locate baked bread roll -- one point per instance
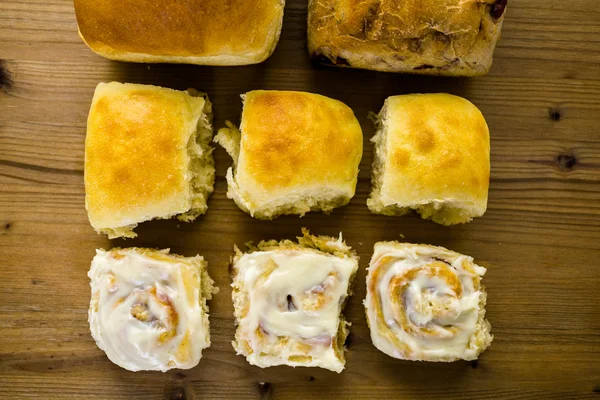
(147, 155)
(426, 303)
(148, 309)
(432, 155)
(288, 299)
(295, 152)
(205, 32)
(437, 37)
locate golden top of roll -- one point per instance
(288, 299)
(426, 303)
(293, 139)
(445, 37)
(146, 151)
(292, 146)
(432, 155)
(438, 145)
(148, 308)
(211, 32)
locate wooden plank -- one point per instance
(540, 238)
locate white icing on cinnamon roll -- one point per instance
(426, 303)
(148, 308)
(288, 304)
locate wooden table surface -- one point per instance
(540, 237)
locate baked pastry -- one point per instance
(147, 155)
(148, 309)
(288, 299)
(295, 152)
(432, 155)
(426, 303)
(437, 37)
(205, 32)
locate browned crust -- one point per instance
(145, 156)
(238, 31)
(434, 37)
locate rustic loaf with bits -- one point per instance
(437, 37)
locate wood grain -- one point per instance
(540, 238)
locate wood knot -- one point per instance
(474, 364)
(265, 390)
(6, 81)
(176, 390)
(7, 226)
(566, 162)
(555, 114)
(596, 389)
(311, 378)
(498, 8)
(176, 393)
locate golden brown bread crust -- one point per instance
(212, 32)
(432, 155)
(278, 125)
(438, 37)
(299, 152)
(139, 153)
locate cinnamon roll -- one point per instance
(288, 299)
(148, 309)
(426, 303)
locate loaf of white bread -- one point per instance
(206, 32)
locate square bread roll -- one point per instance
(147, 155)
(436, 37)
(204, 32)
(432, 155)
(148, 309)
(288, 298)
(426, 303)
(295, 152)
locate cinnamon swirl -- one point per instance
(426, 303)
(288, 299)
(148, 309)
